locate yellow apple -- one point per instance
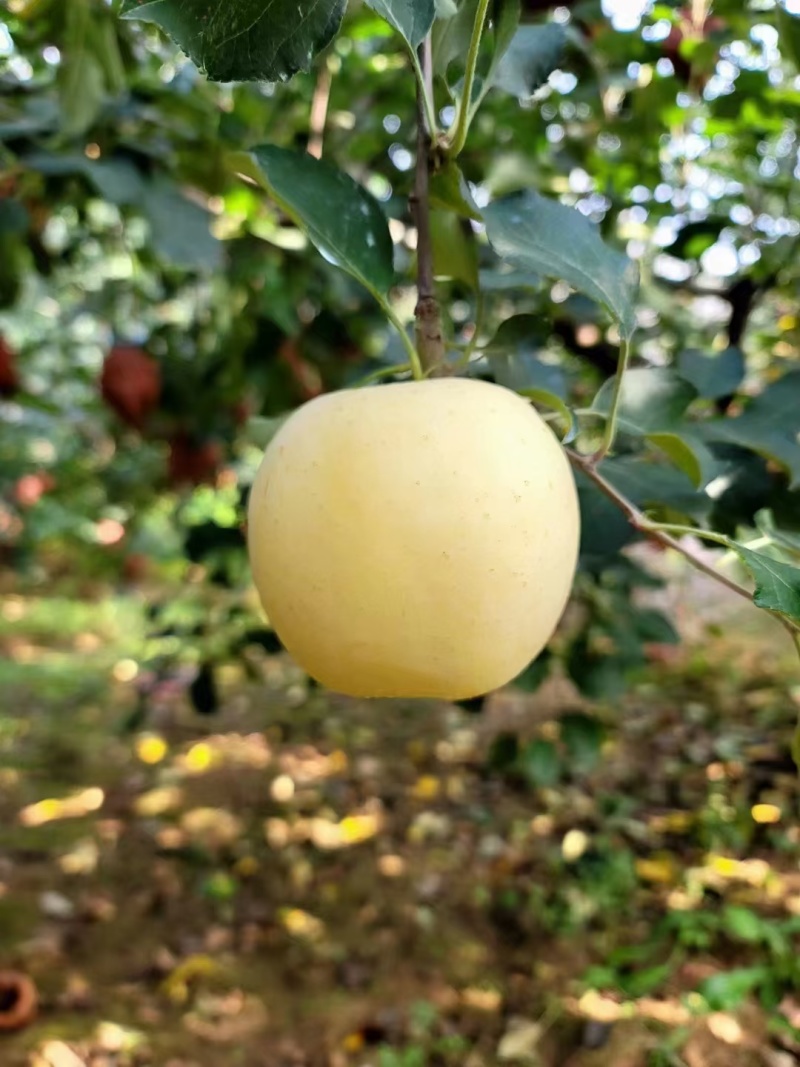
(417, 539)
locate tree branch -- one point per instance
(430, 338)
(319, 111)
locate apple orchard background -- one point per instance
(206, 859)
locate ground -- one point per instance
(305, 880)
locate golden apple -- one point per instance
(417, 539)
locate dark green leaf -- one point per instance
(455, 253)
(449, 190)
(652, 485)
(14, 218)
(653, 626)
(583, 737)
(768, 425)
(604, 529)
(495, 281)
(642, 982)
(653, 403)
(519, 333)
(179, 228)
(689, 454)
(713, 375)
(203, 691)
(727, 990)
(116, 180)
(532, 56)
(82, 90)
(765, 524)
(534, 233)
(534, 674)
(503, 751)
(652, 400)
(777, 584)
(451, 38)
(514, 364)
(599, 676)
(341, 219)
(540, 764)
(411, 18)
(245, 40)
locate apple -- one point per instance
(130, 383)
(417, 539)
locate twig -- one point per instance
(319, 111)
(430, 338)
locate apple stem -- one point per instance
(428, 315)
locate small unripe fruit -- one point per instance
(414, 540)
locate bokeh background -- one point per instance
(206, 859)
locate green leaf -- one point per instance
(653, 400)
(652, 485)
(260, 430)
(534, 674)
(342, 220)
(455, 253)
(583, 737)
(532, 56)
(766, 525)
(179, 229)
(81, 95)
(727, 990)
(768, 425)
(411, 18)
(742, 923)
(789, 35)
(651, 625)
(503, 751)
(604, 529)
(116, 180)
(714, 375)
(653, 403)
(449, 190)
(512, 354)
(534, 233)
(451, 38)
(777, 584)
(544, 398)
(645, 981)
(540, 764)
(495, 281)
(689, 454)
(244, 40)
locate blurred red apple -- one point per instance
(131, 384)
